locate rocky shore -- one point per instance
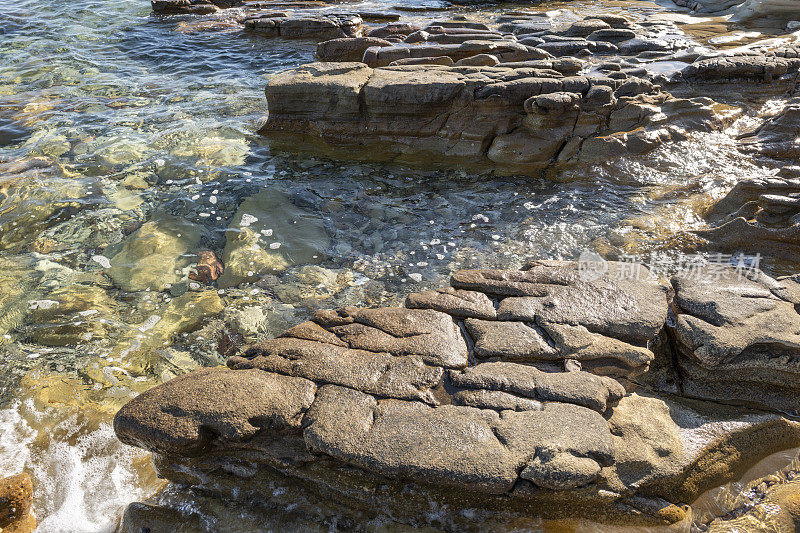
(559, 391)
(521, 95)
(311, 259)
(522, 390)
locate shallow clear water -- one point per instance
(148, 120)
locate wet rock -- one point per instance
(318, 27)
(767, 67)
(208, 268)
(612, 35)
(16, 500)
(395, 29)
(777, 511)
(155, 255)
(474, 117)
(636, 46)
(759, 215)
(586, 27)
(737, 335)
(615, 21)
(777, 136)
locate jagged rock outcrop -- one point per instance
(502, 391)
(778, 136)
(759, 215)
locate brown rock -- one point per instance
(208, 268)
(213, 407)
(16, 499)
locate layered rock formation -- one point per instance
(773, 66)
(737, 336)
(759, 215)
(518, 119)
(504, 390)
(311, 26)
(459, 93)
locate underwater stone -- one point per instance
(155, 255)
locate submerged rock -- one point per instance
(268, 234)
(155, 256)
(72, 315)
(372, 403)
(777, 511)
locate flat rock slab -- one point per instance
(738, 335)
(456, 446)
(304, 26)
(625, 302)
(452, 402)
(580, 388)
(510, 117)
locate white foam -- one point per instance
(82, 478)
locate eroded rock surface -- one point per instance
(738, 336)
(512, 118)
(759, 215)
(463, 397)
(516, 96)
